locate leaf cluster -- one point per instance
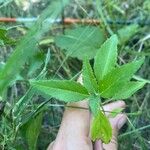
(104, 80)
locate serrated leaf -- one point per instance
(94, 104)
(89, 80)
(106, 58)
(68, 91)
(31, 130)
(81, 41)
(118, 76)
(101, 128)
(128, 90)
(123, 90)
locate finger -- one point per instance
(50, 147)
(112, 106)
(116, 124)
(118, 121)
(98, 145)
(76, 119)
(74, 130)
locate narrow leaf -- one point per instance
(118, 76)
(67, 91)
(106, 58)
(101, 128)
(31, 131)
(89, 80)
(128, 90)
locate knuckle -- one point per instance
(122, 103)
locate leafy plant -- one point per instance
(105, 81)
(24, 51)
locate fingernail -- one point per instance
(121, 122)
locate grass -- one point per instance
(136, 134)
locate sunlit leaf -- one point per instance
(118, 76)
(101, 128)
(127, 90)
(67, 91)
(106, 58)
(89, 79)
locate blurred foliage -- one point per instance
(81, 42)
(31, 131)
(4, 39)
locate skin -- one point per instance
(74, 130)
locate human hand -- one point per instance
(74, 130)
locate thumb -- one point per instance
(116, 123)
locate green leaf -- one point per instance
(118, 76)
(89, 80)
(31, 130)
(101, 128)
(94, 103)
(4, 39)
(106, 58)
(68, 91)
(35, 63)
(127, 90)
(81, 41)
(127, 32)
(2, 64)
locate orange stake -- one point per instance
(81, 21)
(66, 20)
(7, 19)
